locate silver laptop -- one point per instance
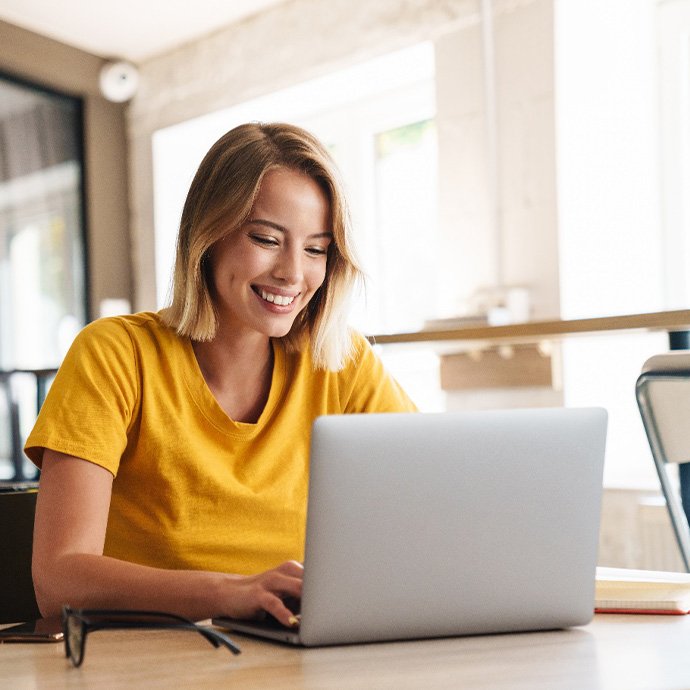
(434, 525)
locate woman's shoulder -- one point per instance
(358, 350)
(129, 327)
(132, 337)
(358, 340)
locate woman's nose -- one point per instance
(289, 266)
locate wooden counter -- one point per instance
(543, 330)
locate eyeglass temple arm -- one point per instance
(217, 638)
(214, 637)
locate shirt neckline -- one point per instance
(210, 408)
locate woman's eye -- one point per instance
(265, 240)
(317, 251)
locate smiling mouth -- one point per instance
(279, 300)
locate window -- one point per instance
(42, 258)
(42, 254)
(406, 229)
(611, 239)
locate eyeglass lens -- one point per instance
(75, 639)
(76, 626)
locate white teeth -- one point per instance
(280, 300)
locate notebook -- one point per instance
(434, 525)
(620, 590)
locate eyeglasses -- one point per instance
(77, 623)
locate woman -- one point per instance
(174, 445)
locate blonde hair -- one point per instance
(220, 200)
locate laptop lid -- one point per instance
(429, 525)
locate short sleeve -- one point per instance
(92, 401)
(368, 386)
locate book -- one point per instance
(620, 590)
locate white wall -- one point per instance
(673, 26)
(514, 244)
(608, 157)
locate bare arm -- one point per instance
(69, 566)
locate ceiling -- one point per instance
(128, 29)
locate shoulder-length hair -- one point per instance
(220, 201)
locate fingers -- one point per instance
(292, 568)
(249, 596)
(276, 607)
(283, 582)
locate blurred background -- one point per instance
(506, 161)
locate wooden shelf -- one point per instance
(532, 331)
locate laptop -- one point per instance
(447, 524)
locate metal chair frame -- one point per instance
(679, 512)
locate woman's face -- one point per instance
(266, 272)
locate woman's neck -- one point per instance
(238, 371)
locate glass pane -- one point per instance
(406, 215)
(42, 257)
(42, 299)
(43, 270)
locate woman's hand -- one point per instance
(253, 595)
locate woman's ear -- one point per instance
(206, 266)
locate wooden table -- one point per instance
(614, 651)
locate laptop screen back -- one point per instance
(423, 525)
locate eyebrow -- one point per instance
(283, 229)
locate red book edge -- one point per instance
(664, 612)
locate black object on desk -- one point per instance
(17, 598)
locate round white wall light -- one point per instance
(119, 81)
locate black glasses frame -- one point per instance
(77, 623)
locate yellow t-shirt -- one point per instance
(193, 488)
